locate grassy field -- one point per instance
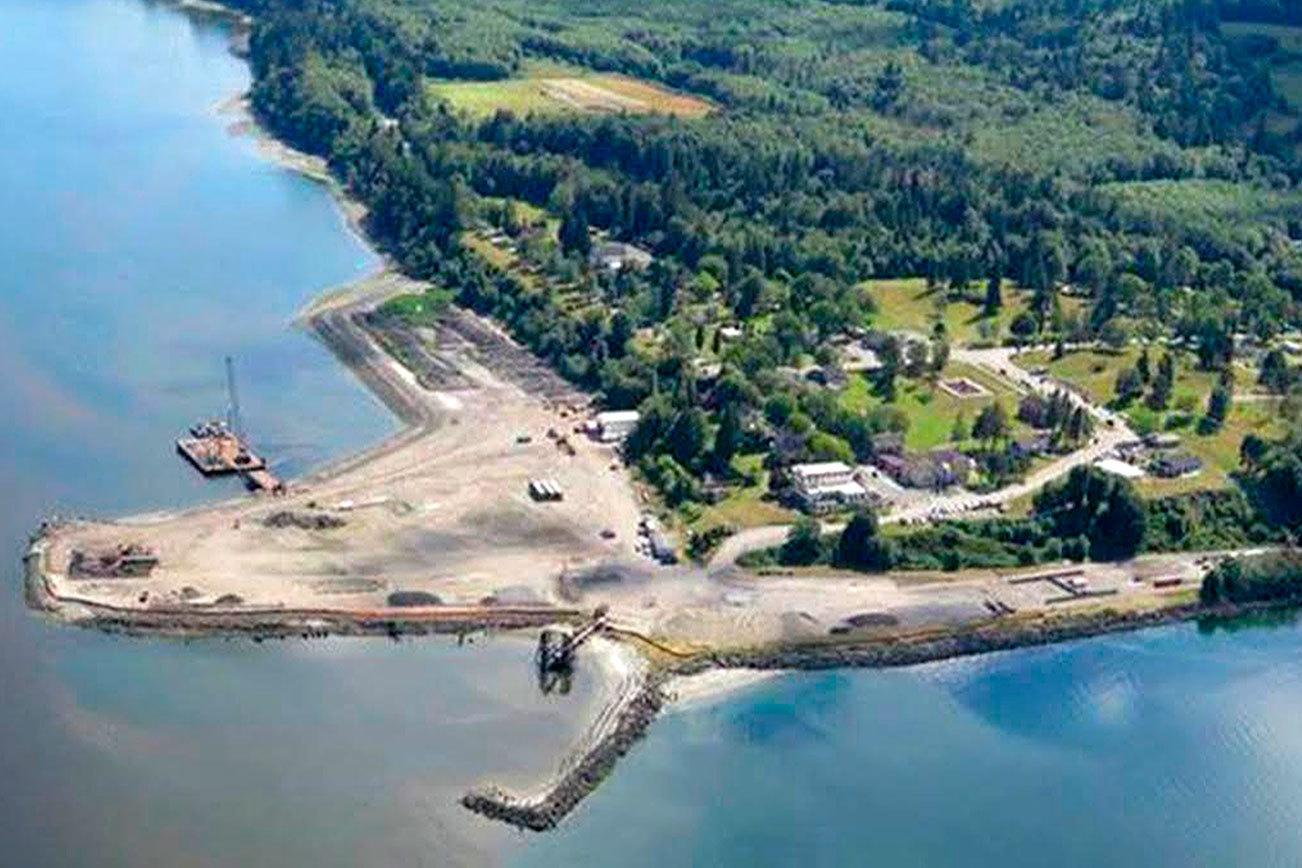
(1095, 372)
(907, 305)
(496, 256)
(419, 309)
(745, 507)
(1219, 451)
(931, 411)
(528, 212)
(548, 94)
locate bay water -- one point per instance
(142, 240)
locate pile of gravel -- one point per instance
(413, 598)
(303, 520)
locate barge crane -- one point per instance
(218, 447)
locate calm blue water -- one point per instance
(1162, 748)
(141, 242)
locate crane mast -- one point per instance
(232, 400)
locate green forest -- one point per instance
(1141, 154)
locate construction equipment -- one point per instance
(557, 646)
(129, 560)
(232, 400)
(217, 447)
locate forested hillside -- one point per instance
(1137, 153)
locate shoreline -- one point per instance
(245, 124)
(728, 672)
(712, 686)
(696, 678)
(274, 623)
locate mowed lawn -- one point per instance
(745, 507)
(546, 94)
(932, 411)
(905, 304)
(1095, 371)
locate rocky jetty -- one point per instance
(545, 812)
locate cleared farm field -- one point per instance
(598, 94)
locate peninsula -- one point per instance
(731, 398)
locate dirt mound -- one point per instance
(303, 520)
(872, 619)
(413, 598)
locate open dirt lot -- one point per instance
(444, 509)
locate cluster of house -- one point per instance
(935, 470)
(829, 485)
(1044, 414)
(1158, 453)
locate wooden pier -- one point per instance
(556, 648)
(262, 481)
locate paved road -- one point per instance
(1110, 430)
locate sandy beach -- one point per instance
(713, 685)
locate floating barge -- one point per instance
(214, 449)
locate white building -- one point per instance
(826, 485)
(730, 333)
(614, 425)
(613, 256)
(1119, 468)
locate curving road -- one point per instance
(1111, 429)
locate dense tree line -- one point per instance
(1273, 469)
(1090, 515)
(1166, 59)
(776, 206)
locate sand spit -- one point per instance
(440, 511)
(273, 622)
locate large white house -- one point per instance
(614, 425)
(826, 485)
(613, 256)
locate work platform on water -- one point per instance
(215, 450)
(218, 448)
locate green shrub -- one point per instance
(1261, 578)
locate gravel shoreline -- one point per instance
(261, 624)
